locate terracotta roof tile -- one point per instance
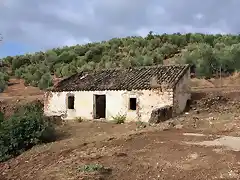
(137, 78)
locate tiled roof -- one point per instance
(137, 78)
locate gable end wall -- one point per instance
(182, 93)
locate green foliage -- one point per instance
(1, 117)
(26, 128)
(79, 119)
(207, 52)
(91, 168)
(119, 119)
(3, 80)
(35, 107)
(45, 81)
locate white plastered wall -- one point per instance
(117, 103)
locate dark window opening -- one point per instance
(133, 104)
(71, 102)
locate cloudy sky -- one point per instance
(33, 25)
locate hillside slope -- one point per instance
(207, 52)
(133, 151)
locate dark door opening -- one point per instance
(100, 106)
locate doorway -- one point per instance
(99, 106)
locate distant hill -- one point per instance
(206, 52)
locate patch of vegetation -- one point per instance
(208, 53)
(26, 128)
(3, 80)
(141, 124)
(95, 168)
(1, 117)
(119, 119)
(79, 119)
(34, 107)
(91, 168)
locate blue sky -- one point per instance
(14, 48)
(34, 25)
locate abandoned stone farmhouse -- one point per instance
(133, 92)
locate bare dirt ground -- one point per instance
(130, 153)
(203, 143)
(16, 87)
(17, 93)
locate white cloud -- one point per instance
(73, 41)
(45, 24)
(142, 31)
(199, 16)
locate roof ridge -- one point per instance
(134, 67)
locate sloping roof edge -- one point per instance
(177, 77)
(181, 75)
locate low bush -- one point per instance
(119, 119)
(3, 81)
(1, 117)
(91, 168)
(26, 128)
(96, 169)
(79, 119)
(34, 107)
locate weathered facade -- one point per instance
(133, 92)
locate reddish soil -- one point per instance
(133, 152)
(16, 87)
(16, 94)
(129, 153)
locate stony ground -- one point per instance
(128, 154)
(203, 143)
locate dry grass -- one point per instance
(231, 81)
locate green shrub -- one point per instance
(91, 168)
(79, 119)
(26, 128)
(33, 107)
(45, 81)
(206, 52)
(119, 119)
(3, 81)
(1, 117)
